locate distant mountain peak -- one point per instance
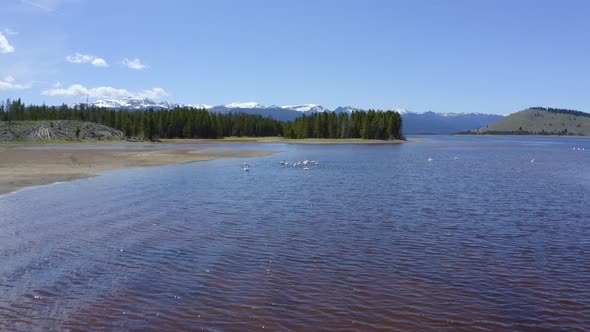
(350, 109)
(306, 108)
(401, 110)
(250, 104)
(413, 122)
(134, 103)
(146, 100)
(202, 106)
(347, 109)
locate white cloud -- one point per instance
(38, 5)
(5, 46)
(79, 58)
(10, 32)
(98, 62)
(133, 64)
(153, 93)
(77, 90)
(86, 58)
(9, 84)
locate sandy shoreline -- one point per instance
(280, 140)
(20, 168)
(23, 166)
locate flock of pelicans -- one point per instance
(301, 164)
(306, 163)
(532, 160)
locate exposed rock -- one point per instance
(67, 130)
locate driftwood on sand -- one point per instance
(56, 130)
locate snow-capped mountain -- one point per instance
(131, 103)
(348, 109)
(283, 113)
(401, 111)
(435, 123)
(110, 103)
(199, 106)
(413, 122)
(304, 108)
(445, 123)
(250, 104)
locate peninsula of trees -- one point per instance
(184, 122)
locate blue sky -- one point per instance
(442, 56)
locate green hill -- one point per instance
(541, 121)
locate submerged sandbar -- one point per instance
(20, 168)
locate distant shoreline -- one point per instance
(527, 136)
(273, 140)
(281, 140)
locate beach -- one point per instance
(24, 166)
(281, 140)
(28, 164)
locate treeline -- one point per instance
(174, 123)
(563, 132)
(561, 111)
(368, 125)
(199, 123)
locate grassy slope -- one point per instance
(536, 121)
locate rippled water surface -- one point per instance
(372, 238)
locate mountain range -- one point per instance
(140, 104)
(445, 123)
(413, 122)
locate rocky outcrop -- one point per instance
(67, 130)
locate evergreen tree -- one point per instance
(186, 122)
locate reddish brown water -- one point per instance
(373, 238)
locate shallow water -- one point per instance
(372, 238)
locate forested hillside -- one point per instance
(186, 122)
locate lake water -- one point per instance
(375, 237)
